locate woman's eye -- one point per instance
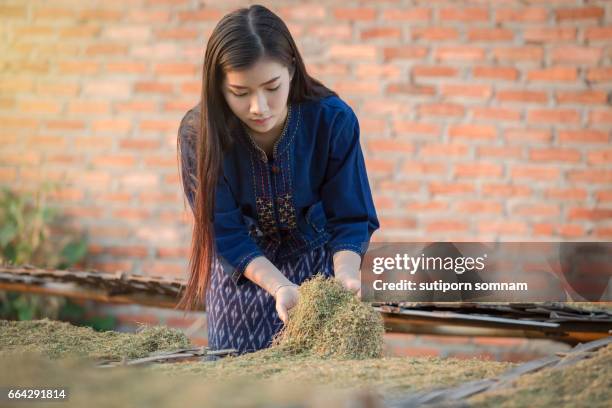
(274, 89)
(239, 95)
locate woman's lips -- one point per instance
(261, 121)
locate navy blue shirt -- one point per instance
(313, 191)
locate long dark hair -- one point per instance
(238, 41)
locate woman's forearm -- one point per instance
(347, 264)
(263, 272)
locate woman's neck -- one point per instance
(266, 140)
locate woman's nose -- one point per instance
(259, 105)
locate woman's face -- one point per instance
(258, 95)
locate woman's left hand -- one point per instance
(346, 270)
(352, 283)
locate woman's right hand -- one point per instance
(286, 298)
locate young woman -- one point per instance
(274, 173)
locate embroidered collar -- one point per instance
(283, 141)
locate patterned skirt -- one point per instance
(243, 317)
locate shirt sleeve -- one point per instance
(234, 247)
(346, 195)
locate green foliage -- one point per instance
(25, 232)
(31, 233)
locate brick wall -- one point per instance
(480, 119)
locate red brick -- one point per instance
(553, 116)
(178, 33)
(505, 190)
(122, 160)
(12, 11)
(566, 194)
(337, 31)
(503, 73)
(593, 34)
(490, 34)
(378, 70)
(472, 91)
(164, 269)
(397, 222)
(427, 206)
(390, 145)
(603, 232)
(590, 176)
(138, 106)
(106, 49)
(400, 186)
(434, 33)
(111, 125)
(416, 128)
(444, 149)
(555, 154)
(78, 67)
(39, 106)
(500, 152)
(139, 144)
(574, 54)
(466, 14)
(519, 95)
(386, 33)
(357, 87)
(132, 214)
(582, 97)
(126, 67)
(441, 109)
(549, 34)
(604, 196)
(536, 210)
(133, 251)
(100, 14)
(522, 15)
(600, 157)
(450, 188)
(530, 53)
(149, 16)
(553, 74)
(537, 173)
(159, 125)
(496, 114)
(459, 53)
(599, 74)
(352, 52)
(579, 13)
(446, 226)
(423, 168)
(434, 71)
(380, 166)
(404, 52)
(153, 87)
(88, 107)
(593, 214)
(502, 227)
(571, 231)
(199, 15)
(160, 161)
(410, 89)
(65, 124)
(600, 116)
(472, 132)
(478, 170)
(479, 207)
(414, 14)
(175, 68)
(359, 14)
(528, 135)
